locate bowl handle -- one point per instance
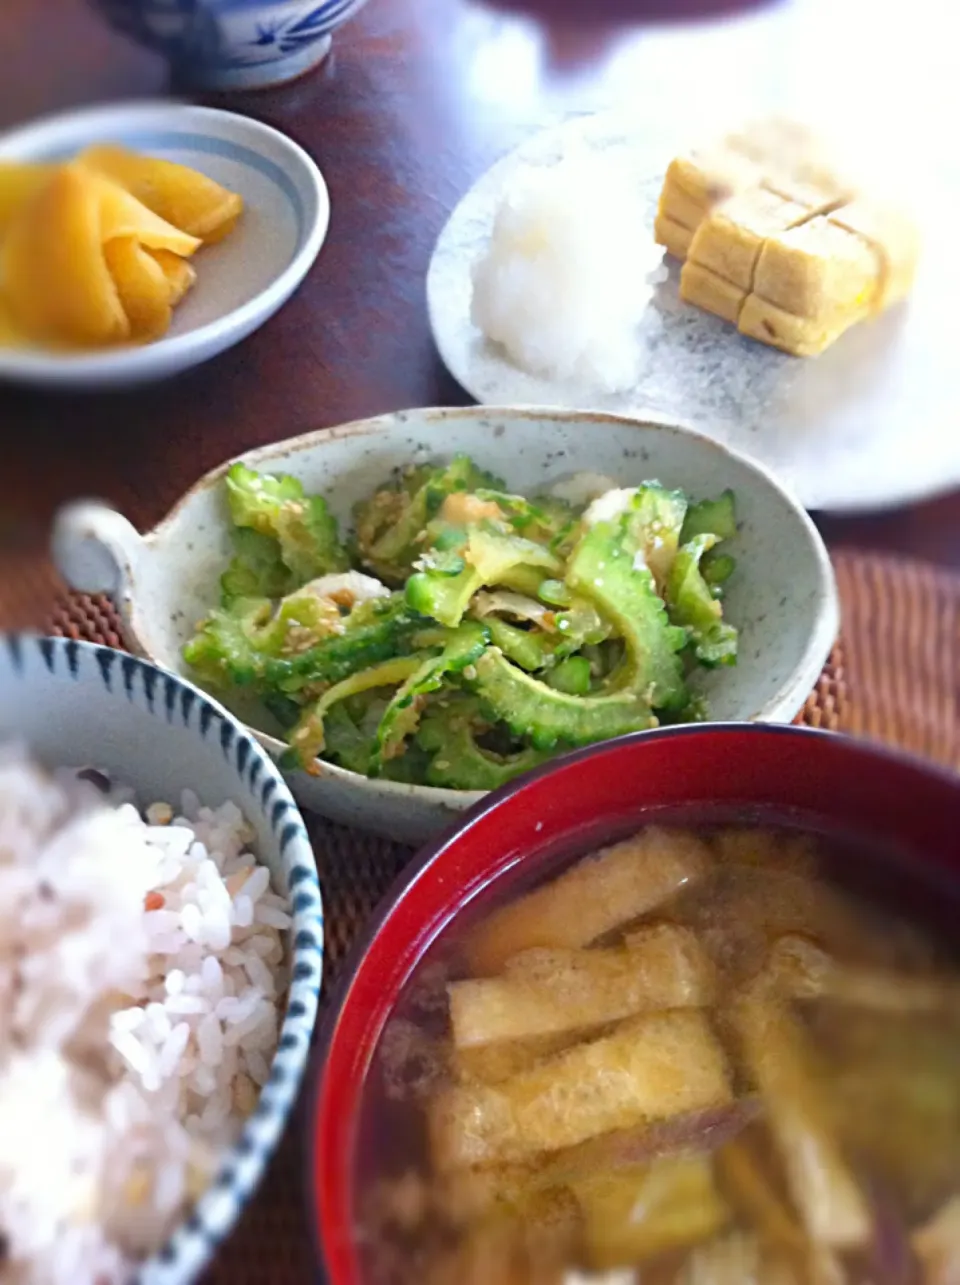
(97, 550)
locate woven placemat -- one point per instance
(895, 677)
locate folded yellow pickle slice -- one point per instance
(58, 282)
(182, 196)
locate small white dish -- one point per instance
(783, 598)
(867, 425)
(241, 282)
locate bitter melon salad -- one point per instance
(463, 634)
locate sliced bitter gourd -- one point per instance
(308, 738)
(464, 646)
(654, 520)
(545, 519)
(373, 632)
(549, 718)
(222, 653)
(692, 605)
(256, 569)
(488, 555)
(604, 569)
(711, 517)
(303, 526)
(391, 520)
(531, 649)
(348, 737)
(448, 733)
(571, 676)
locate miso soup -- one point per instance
(708, 1057)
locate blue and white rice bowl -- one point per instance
(233, 44)
(141, 980)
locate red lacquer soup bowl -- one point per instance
(871, 803)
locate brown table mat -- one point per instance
(895, 677)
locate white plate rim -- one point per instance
(172, 352)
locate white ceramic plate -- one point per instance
(242, 281)
(783, 597)
(871, 423)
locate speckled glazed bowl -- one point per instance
(783, 597)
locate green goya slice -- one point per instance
(488, 555)
(653, 524)
(221, 653)
(302, 525)
(548, 718)
(308, 738)
(711, 517)
(606, 570)
(373, 632)
(448, 733)
(256, 569)
(693, 606)
(531, 649)
(571, 676)
(391, 520)
(464, 646)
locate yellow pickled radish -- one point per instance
(19, 181)
(93, 252)
(57, 284)
(142, 286)
(180, 275)
(123, 215)
(182, 196)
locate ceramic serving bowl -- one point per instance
(828, 782)
(76, 704)
(241, 282)
(783, 597)
(233, 44)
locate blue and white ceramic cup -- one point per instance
(233, 44)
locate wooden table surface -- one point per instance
(419, 97)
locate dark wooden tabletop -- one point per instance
(418, 98)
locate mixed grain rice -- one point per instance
(142, 973)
